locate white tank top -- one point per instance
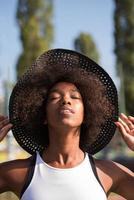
(50, 183)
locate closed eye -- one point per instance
(75, 97)
(53, 97)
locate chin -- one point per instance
(70, 123)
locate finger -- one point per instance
(121, 129)
(127, 138)
(4, 131)
(2, 117)
(4, 122)
(127, 129)
(131, 118)
(127, 121)
(132, 133)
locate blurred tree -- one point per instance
(124, 49)
(84, 44)
(36, 30)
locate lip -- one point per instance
(66, 110)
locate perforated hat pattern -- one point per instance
(26, 136)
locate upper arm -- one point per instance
(116, 178)
(4, 177)
(124, 184)
(13, 175)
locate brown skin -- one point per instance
(65, 113)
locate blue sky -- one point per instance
(70, 18)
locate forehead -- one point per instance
(64, 86)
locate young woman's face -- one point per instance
(64, 106)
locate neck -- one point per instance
(63, 146)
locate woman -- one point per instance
(61, 111)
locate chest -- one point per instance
(77, 183)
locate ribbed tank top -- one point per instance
(50, 183)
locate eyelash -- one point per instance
(75, 97)
(54, 98)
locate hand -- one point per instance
(126, 128)
(5, 126)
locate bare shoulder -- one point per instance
(13, 174)
(115, 177)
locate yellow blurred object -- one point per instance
(115, 197)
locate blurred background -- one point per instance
(102, 30)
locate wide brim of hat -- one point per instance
(69, 59)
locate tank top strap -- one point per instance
(92, 162)
(29, 175)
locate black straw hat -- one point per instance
(48, 65)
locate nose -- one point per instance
(65, 101)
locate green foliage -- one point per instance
(36, 30)
(84, 44)
(124, 48)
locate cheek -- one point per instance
(49, 112)
(80, 111)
